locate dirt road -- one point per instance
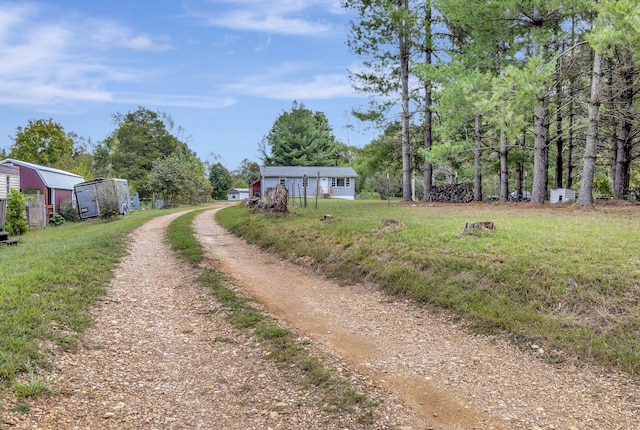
(161, 356)
(451, 378)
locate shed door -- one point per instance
(87, 201)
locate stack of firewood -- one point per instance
(451, 194)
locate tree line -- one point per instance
(500, 95)
(485, 91)
(145, 148)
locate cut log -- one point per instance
(450, 194)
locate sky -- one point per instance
(223, 70)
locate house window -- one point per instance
(283, 181)
(8, 185)
(305, 181)
(341, 182)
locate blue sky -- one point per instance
(224, 70)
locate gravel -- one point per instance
(161, 356)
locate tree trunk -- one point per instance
(541, 123)
(608, 71)
(541, 150)
(570, 140)
(406, 115)
(477, 153)
(559, 132)
(504, 167)
(585, 197)
(428, 102)
(278, 199)
(624, 141)
(520, 182)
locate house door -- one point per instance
(324, 185)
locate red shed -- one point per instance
(47, 186)
(254, 189)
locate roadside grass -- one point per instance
(559, 277)
(49, 282)
(281, 344)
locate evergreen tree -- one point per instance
(300, 137)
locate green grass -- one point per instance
(280, 343)
(49, 281)
(562, 277)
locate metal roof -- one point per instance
(310, 171)
(52, 178)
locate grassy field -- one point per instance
(560, 277)
(49, 281)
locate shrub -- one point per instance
(368, 195)
(16, 222)
(68, 212)
(56, 219)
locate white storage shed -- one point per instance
(562, 195)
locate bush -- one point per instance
(16, 222)
(68, 212)
(368, 195)
(56, 219)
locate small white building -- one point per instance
(562, 195)
(9, 179)
(238, 194)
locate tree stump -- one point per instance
(278, 199)
(479, 227)
(388, 221)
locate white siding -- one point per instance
(8, 182)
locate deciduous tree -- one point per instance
(221, 180)
(130, 151)
(42, 142)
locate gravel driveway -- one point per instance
(160, 357)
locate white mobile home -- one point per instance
(325, 182)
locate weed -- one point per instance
(33, 386)
(21, 407)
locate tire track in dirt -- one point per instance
(317, 308)
(450, 377)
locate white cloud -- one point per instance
(107, 34)
(282, 84)
(30, 93)
(48, 60)
(274, 16)
(163, 100)
(250, 20)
